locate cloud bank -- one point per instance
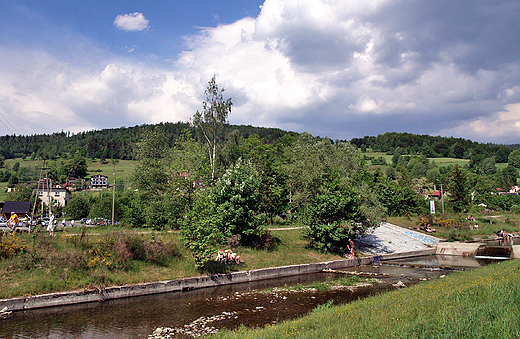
(336, 68)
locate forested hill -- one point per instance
(434, 146)
(117, 143)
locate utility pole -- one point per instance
(43, 168)
(442, 199)
(113, 194)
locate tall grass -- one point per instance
(483, 303)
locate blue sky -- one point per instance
(335, 68)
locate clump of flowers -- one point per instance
(11, 245)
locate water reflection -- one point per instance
(139, 317)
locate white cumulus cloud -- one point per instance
(131, 22)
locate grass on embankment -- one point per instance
(482, 303)
(64, 262)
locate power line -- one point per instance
(9, 125)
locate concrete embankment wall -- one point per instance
(458, 248)
(93, 295)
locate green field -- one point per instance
(123, 168)
(441, 162)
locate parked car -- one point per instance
(96, 221)
(84, 220)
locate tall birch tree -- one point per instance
(211, 122)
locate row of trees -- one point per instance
(434, 146)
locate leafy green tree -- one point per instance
(77, 167)
(189, 166)
(331, 191)
(487, 166)
(237, 196)
(13, 181)
(433, 175)
(332, 220)
(458, 189)
(272, 188)
(507, 177)
(484, 186)
(78, 207)
(22, 192)
(200, 230)
(211, 122)
(102, 208)
(150, 179)
(151, 172)
(514, 158)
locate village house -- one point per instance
(99, 181)
(56, 195)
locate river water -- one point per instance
(252, 305)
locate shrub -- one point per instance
(11, 245)
(265, 241)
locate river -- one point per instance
(253, 304)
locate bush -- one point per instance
(328, 238)
(11, 245)
(265, 241)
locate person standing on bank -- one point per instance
(50, 226)
(13, 222)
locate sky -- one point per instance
(336, 68)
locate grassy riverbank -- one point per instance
(482, 303)
(107, 257)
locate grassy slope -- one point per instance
(441, 162)
(123, 170)
(483, 303)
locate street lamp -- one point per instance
(49, 192)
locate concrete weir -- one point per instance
(115, 292)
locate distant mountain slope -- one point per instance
(117, 143)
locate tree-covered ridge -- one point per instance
(115, 143)
(434, 146)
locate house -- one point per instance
(21, 208)
(515, 190)
(99, 181)
(57, 195)
(73, 184)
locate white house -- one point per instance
(99, 181)
(56, 195)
